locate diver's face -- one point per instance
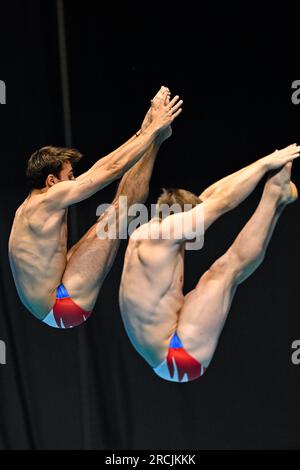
(66, 174)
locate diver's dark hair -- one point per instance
(46, 161)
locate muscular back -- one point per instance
(151, 287)
(37, 252)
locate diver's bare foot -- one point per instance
(280, 183)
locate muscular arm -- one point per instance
(114, 165)
(104, 172)
(227, 194)
(213, 187)
(106, 160)
(145, 124)
(230, 178)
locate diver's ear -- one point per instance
(50, 181)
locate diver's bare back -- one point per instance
(151, 293)
(37, 253)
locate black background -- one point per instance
(88, 388)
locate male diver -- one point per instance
(57, 286)
(177, 335)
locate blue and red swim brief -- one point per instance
(179, 366)
(65, 313)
